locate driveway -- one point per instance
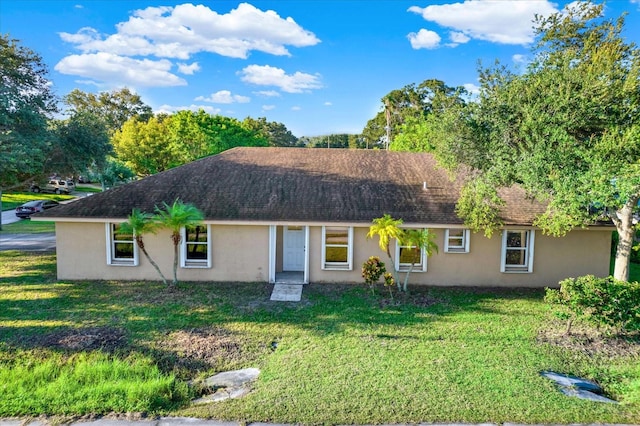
(9, 216)
(28, 242)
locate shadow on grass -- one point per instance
(187, 330)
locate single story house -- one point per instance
(276, 212)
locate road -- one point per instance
(28, 242)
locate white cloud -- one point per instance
(180, 31)
(424, 39)
(458, 37)
(119, 70)
(296, 108)
(265, 75)
(268, 93)
(188, 69)
(519, 59)
(505, 22)
(472, 88)
(79, 6)
(328, 103)
(169, 109)
(268, 107)
(224, 97)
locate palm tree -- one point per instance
(417, 240)
(175, 217)
(386, 228)
(139, 223)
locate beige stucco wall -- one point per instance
(580, 252)
(241, 253)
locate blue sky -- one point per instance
(318, 67)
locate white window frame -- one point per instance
(337, 266)
(530, 235)
(194, 263)
(404, 267)
(464, 241)
(111, 259)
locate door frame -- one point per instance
(273, 251)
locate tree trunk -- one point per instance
(151, 261)
(623, 219)
(175, 263)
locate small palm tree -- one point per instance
(386, 228)
(175, 217)
(138, 224)
(417, 240)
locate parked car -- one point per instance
(27, 209)
(57, 186)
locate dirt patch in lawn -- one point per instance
(193, 351)
(107, 339)
(592, 342)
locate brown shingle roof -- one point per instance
(302, 185)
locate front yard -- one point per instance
(340, 356)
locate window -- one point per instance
(195, 247)
(337, 247)
(407, 255)
(456, 241)
(517, 251)
(121, 248)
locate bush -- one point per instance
(599, 301)
(372, 270)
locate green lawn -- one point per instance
(343, 356)
(26, 226)
(12, 200)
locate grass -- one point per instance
(28, 227)
(343, 356)
(87, 188)
(12, 200)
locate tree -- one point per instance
(138, 224)
(26, 102)
(81, 141)
(387, 228)
(175, 217)
(115, 107)
(567, 130)
(411, 104)
(417, 241)
(146, 147)
(275, 133)
(166, 141)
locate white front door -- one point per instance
(293, 248)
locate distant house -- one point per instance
(305, 213)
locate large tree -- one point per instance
(567, 130)
(402, 108)
(276, 133)
(26, 102)
(115, 107)
(167, 141)
(81, 142)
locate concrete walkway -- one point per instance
(287, 292)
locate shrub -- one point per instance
(372, 270)
(599, 301)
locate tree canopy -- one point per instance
(167, 141)
(115, 107)
(402, 110)
(26, 103)
(567, 130)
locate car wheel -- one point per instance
(36, 190)
(58, 191)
